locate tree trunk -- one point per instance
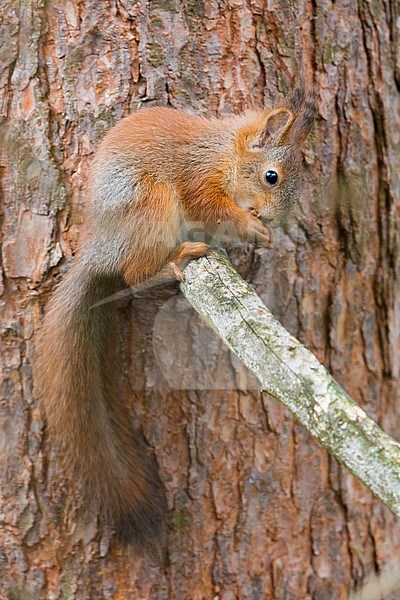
(257, 509)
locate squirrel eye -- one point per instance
(271, 177)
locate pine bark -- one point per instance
(290, 373)
(257, 508)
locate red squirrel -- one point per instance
(155, 173)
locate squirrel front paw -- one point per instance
(254, 231)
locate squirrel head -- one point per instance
(267, 176)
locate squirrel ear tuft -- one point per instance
(304, 105)
(276, 124)
(306, 117)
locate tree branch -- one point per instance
(293, 375)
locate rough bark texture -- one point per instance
(291, 374)
(258, 509)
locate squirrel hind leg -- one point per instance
(172, 271)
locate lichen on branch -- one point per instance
(293, 375)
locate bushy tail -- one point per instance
(76, 372)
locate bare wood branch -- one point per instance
(294, 376)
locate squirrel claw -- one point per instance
(178, 273)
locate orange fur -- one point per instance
(155, 173)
